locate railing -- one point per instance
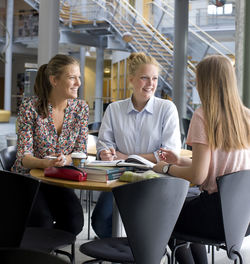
(195, 30)
(123, 17)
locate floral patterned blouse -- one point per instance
(38, 135)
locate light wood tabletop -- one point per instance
(85, 185)
(184, 152)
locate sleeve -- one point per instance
(25, 123)
(81, 140)
(106, 133)
(197, 132)
(171, 130)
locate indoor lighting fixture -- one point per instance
(87, 54)
(106, 70)
(127, 36)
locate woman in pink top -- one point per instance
(219, 134)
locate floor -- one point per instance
(220, 256)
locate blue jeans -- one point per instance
(102, 215)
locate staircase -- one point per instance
(122, 17)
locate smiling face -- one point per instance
(67, 84)
(144, 82)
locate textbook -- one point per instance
(104, 174)
(135, 161)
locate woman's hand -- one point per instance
(108, 155)
(169, 156)
(120, 156)
(159, 166)
(54, 161)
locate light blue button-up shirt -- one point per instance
(132, 132)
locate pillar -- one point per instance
(8, 55)
(48, 33)
(99, 84)
(180, 55)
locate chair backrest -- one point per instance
(94, 125)
(149, 210)
(8, 157)
(235, 204)
(17, 194)
(185, 123)
(18, 255)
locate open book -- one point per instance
(132, 161)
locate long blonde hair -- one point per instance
(227, 120)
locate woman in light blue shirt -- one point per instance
(138, 125)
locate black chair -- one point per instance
(17, 195)
(35, 238)
(8, 157)
(149, 210)
(94, 128)
(185, 124)
(18, 255)
(234, 195)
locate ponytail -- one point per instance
(42, 90)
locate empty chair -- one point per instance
(233, 191)
(8, 157)
(149, 210)
(186, 123)
(17, 255)
(17, 197)
(94, 128)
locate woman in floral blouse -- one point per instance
(53, 123)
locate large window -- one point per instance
(227, 9)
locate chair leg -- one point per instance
(71, 255)
(92, 261)
(89, 212)
(239, 257)
(212, 254)
(175, 248)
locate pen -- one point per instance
(106, 147)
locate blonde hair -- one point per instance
(227, 120)
(136, 59)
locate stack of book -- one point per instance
(104, 174)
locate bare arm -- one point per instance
(197, 171)
(172, 158)
(32, 162)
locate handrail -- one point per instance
(191, 65)
(138, 43)
(198, 28)
(114, 12)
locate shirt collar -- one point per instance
(149, 107)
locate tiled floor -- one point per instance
(220, 256)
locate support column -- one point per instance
(246, 68)
(180, 55)
(8, 55)
(239, 43)
(48, 34)
(99, 84)
(82, 66)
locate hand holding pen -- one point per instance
(107, 153)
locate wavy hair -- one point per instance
(227, 119)
(43, 86)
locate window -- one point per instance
(227, 9)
